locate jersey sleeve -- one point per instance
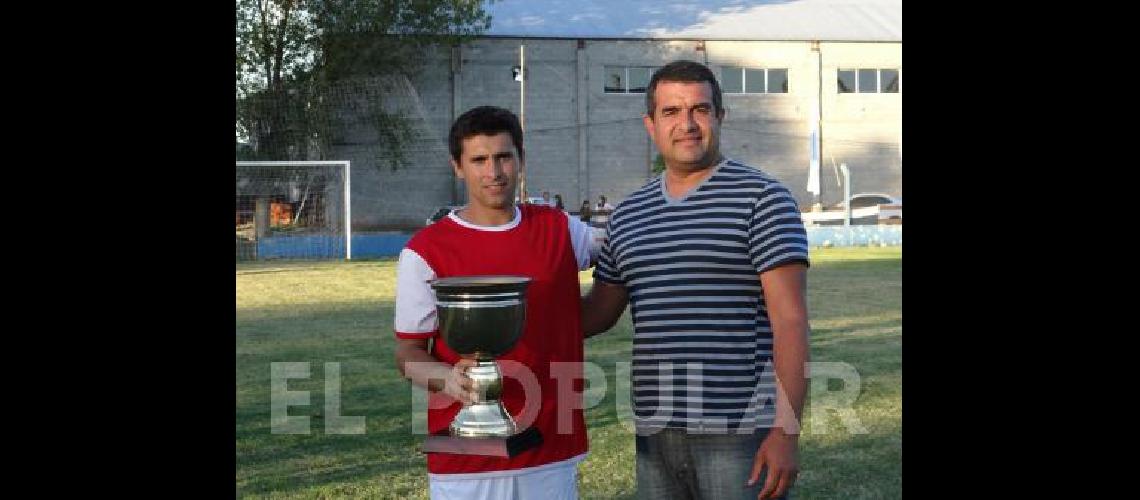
(415, 316)
(582, 238)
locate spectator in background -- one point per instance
(601, 213)
(585, 212)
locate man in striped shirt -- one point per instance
(712, 255)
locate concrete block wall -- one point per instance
(770, 131)
(384, 198)
(551, 113)
(862, 130)
(620, 150)
(582, 142)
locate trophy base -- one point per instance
(487, 419)
(504, 447)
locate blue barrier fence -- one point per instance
(364, 246)
(377, 245)
(855, 236)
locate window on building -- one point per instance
(889, 81)
(777, 81)
(868, 81)
(846, 81)
(639, 79)
(628, 79)
(737, 80)
(731, 80)
(754, 81)
(615, 79)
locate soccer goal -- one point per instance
(294, 210)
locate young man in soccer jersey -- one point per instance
(713, 256)
(492, 235)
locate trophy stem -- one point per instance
(486, 417)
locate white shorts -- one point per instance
(553, 481)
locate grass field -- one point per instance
(321, 312)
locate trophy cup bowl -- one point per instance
(481, 318)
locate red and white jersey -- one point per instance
(546, 245)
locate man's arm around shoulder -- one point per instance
(602, 307)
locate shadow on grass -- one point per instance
(269, 462)
(856, 294)
(820, 333)
(358, 336)
(856, 466)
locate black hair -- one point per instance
(683, 71)
(485, 120)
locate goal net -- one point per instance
(293, 210)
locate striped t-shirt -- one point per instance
(702, 344)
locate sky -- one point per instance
(711, 19)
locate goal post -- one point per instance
(294, 209)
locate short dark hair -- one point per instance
(682, 71)
(485, 120)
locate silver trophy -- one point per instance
(481, 318)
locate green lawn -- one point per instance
(321, 312)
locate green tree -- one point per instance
(291, 52)
(658, 164)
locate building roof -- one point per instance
(825, 20)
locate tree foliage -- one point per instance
(290, 53)
(658, 164)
